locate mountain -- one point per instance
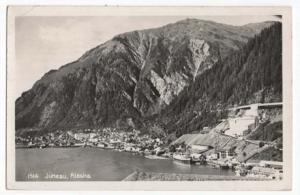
(251, 75)
(152, 78)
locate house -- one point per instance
(81, 136)
(213, 156)
(93, 140)
(205, 130)
(225, 152)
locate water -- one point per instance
(94, 164)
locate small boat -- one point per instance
(100, 146)
(183, 158)
(155, 157)
(224, 165)
(109, 147)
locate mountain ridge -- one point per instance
(142, 72)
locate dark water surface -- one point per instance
(95, 164)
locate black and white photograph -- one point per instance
(130, 96)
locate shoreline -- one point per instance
(100, 162)
(153, 176)
(157, 176)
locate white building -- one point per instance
(245, 118)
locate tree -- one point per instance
(172, 148)
(261, 144)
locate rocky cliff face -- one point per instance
(130, 79)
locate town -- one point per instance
(228, 145)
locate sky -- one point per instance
(43, 43)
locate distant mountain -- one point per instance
(157, 77)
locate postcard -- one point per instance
(149, 98)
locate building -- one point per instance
(93, 140)
(225, 153)
(245, 120)
(205, 130)
(265, 172)
(196, 148)
(271, 164)
(81, 136)
(92, 135)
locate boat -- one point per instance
(109, 147)
(185, 158)
(155, 157)
(100, 145)
(224, 165)
(199, 159)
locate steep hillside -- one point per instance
(250, 75)
(138, 78)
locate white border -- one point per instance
(189, 185)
